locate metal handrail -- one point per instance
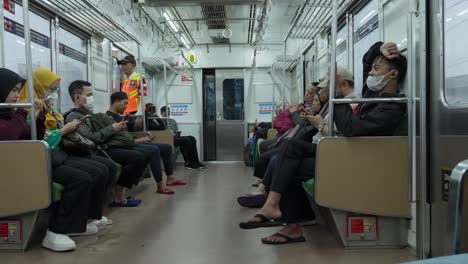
(369, 100)
(142, 92)
(15, 105)
(334, 31)
(455, 207)
(29, 70)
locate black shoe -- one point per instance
(201, 165)
(192, 167)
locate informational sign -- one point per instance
(9, 5)
(185, 79)
(445, 183)
(72, 53)
(18, 29)
(366, 29)
(265, 109)
(192, 58)
(362, 228)
(179, 110)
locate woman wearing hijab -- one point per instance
(71, 212)
(101, 170)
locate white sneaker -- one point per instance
(58, 242)
(102, 223)
(91, 229)
(106, 221)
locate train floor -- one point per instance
(198, 225)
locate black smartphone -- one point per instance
(125, 118)
(85, 117)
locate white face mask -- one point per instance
(53, 97)
(376, 83)
(89, 103)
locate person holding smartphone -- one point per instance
(154, 152)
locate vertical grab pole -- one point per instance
(167, 90)
(283, 84)
(332, 68)
(142, 91)
(27, 46)
(411, 110)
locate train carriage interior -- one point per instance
(233, 131)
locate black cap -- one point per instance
(127, 59)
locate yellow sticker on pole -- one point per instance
(192, 58)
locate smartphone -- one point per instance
(152, 137)
(85, 117)
(125, 118)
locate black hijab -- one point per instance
(8, 80)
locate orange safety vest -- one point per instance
(131, 87)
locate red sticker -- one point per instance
(357, 226)
(9, 6)
(4, 230)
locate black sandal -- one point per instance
(265, 222)
(288, 239)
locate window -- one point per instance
(342, 47)
(456, 58)
(14, 46)
(72, 64)
(366, 23)
(233, 99)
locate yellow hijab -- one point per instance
(43, 78)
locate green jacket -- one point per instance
(98, 128)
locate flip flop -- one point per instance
(165, 191)
(288, 239)
(177, 183)
(252, 200)
(134, 200)
(128, 203)
(265, 222)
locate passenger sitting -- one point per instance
(154, 152)
(107, 135)
(286, 200)
(102, 171)
(187, 144)
(291, 117)
(71, 212)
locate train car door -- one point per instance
(229, 114)
(448, 109)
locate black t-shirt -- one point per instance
(118, 118)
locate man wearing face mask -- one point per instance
(110, 136)
(386, 69)
(384, 72)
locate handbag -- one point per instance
(76, 144)
(288, 135)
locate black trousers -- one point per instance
(262, 162)
(133, 164)
(188, 148)
(154, 154)
(294, 205)
(287, 169)
(295, 160)
(102, 172)
(70, 214)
